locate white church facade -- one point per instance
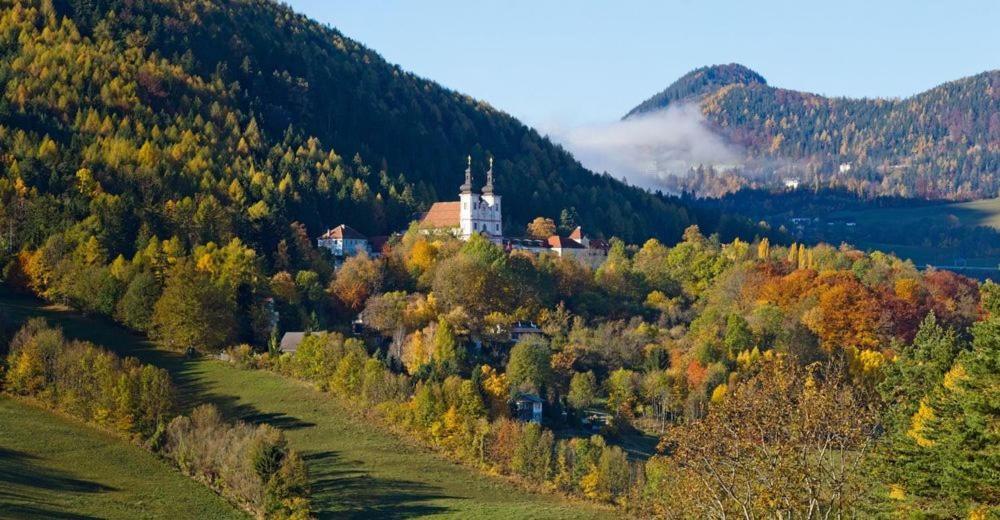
(473, 213)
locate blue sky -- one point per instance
(583, 62)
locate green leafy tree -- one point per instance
(582, 390)
(193, 312)
(135, 309)
(738, 336)
(530, 366)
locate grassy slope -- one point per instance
(356, 470)
(975, 213)
(984, 212)
(53, 467)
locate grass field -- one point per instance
(53, 467)
(356, 470)
(976, 213)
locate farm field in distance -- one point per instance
(54, 467)
(356, 471)
(985, 213)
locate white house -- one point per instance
(595, 251)
(529, 408)
(845, 167)
(344, 241)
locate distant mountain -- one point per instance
(697, 83)
(942, 143)
(209, 120)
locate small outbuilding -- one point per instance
(290, 342)
(528, 407)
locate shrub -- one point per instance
(250, 465)
(88, 382)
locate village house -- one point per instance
(589, 251)
(344, 241)
(521, 329)
(528, 408)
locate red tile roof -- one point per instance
(443, 215)
(577, 233)
(344, 231)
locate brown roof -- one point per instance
(597, 243)
(558, 242)
(577, 233)
(443, 215)
(344, 231)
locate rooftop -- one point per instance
(558, 242)
(443, 215)
(344, 231)
(290, 341)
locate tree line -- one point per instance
(251, 466)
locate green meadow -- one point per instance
(54, 467)
(976, 213)
(984, 212)
(356, 470)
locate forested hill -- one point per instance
(944, 142)
(697, 83)
(208, 119)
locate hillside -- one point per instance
(697, 83)
(55, 467)
(356, 470)
(942, 143)
(208, 120)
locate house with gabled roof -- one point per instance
(343, 241)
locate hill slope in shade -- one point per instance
(259, 117)
(942, 143)
(53, 467)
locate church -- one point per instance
(482, 213)
(472, 213)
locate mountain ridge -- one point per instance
(940, 143)
(698, 82)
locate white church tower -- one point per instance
(480, 213)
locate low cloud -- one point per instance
(644, 150)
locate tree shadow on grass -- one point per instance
(24, 483)
(341, 490)
(279, 420)
(185, 373)
(19, 308)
